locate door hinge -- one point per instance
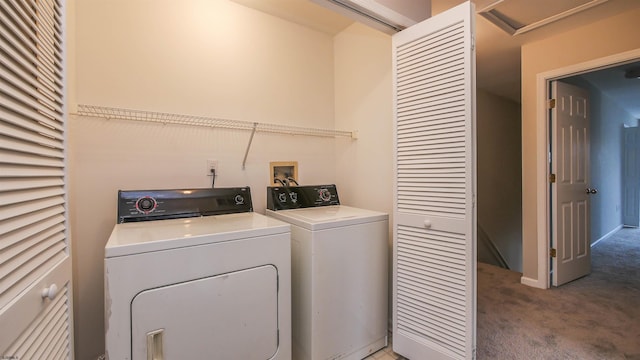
(552, 252)
(552, 178)
(552, 103)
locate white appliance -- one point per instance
(339, 273)
(195, 274)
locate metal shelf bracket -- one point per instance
(246, 153)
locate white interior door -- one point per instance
(570, 193)
(631, 177)
(434, 251)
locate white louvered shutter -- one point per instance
(434, 270)
(34, 250)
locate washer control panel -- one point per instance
(145, 205)
(295, 197)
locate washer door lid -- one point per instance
(227, 316)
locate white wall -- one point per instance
(197, 57)
(201, 57)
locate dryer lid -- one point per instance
(327, 217)
(142, 237)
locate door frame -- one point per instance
(543, 202)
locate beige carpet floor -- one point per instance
(595, 317)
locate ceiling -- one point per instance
(498, 52)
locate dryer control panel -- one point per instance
(145, 205)
(295, 197)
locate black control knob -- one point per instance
(146, 204)
(325, 194)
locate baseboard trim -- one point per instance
(533, 282)
(617, 228)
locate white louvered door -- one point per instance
(35, 267)
(434, 253)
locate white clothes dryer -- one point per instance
(196, 274)
(339, 273)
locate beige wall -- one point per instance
(363, 101)
(499, 177)
(598, 40)
(198, 57)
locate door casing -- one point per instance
(543, 215)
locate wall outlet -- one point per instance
(212, 165)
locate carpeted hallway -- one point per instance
(595, 317)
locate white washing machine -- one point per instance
(196, 274)
(339, 273)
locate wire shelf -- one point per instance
(191, 120)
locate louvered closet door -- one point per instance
(434, 281)
(35, 267)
